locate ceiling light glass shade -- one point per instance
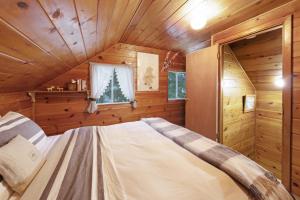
(198, 23)
(202, 13)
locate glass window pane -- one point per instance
(171, 85)
(181, 85)
(118, 95)
(106, 97)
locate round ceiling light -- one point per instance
(198, 23)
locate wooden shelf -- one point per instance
(33, 94)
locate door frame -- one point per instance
(253, 27)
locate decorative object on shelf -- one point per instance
(79, 85)
(72, 86)
(60, 89)
(249, 103)
(83, 85)
(168, 62)
(51, 88)
(147, 72)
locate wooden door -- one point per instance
(202, 91)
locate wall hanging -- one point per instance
(147, 72)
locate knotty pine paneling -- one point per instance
(238, 127)
(57, 114)
(51, 36)
(268, 132)
(261, 58)
(17, 102)
(296, 105)
(292, 8)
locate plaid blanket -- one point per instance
(262, 184)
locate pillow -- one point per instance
(19, 162)
(13, 124)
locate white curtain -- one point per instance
(125, 78)
(100, 75)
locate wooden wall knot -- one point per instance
(57, 13)
(295, 184)
(52, 30)
(22, 5)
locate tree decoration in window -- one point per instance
(113, 92)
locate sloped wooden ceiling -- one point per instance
(261, 58)
(40, 39)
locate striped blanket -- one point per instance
(73, 169)
(262, 184)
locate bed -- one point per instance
(142, 160)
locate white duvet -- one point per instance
(147, 166)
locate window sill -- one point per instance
(176, 99)
(113, 103)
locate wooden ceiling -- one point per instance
(40, 39)
(261, 58)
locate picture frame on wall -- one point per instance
(249, 102)
(147, 72)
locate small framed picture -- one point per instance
(249, 103)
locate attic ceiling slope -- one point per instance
(261, 58)
(41, 39)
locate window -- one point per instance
(110, 84)
(113, 92)
(176, 85)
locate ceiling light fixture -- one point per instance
(198, 24)
(199, 16)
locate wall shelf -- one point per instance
(33, 94)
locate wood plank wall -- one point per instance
(15, 101)
(296, 105)
(261, 58)
(238, 127)
(292, 8)
(268, 132)
(58, 114)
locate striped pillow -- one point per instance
(13, 124)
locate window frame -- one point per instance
(112, 96)
(176, 83)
